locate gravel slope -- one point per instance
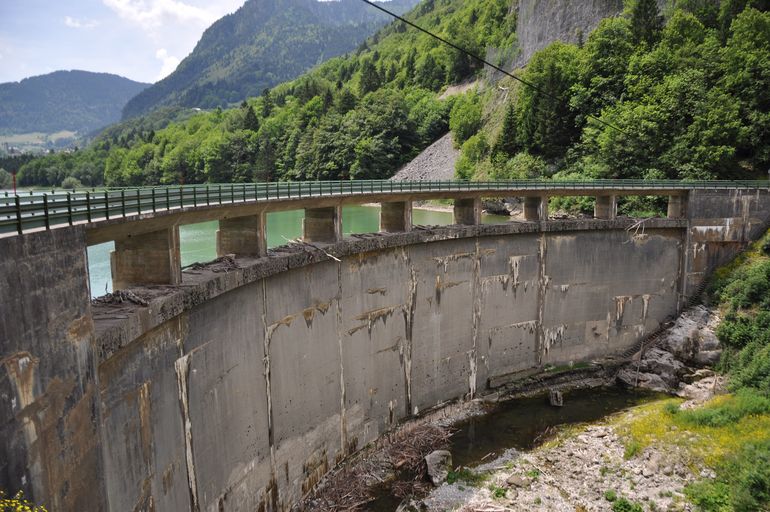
(436, 162)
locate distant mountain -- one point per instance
(262, 44)
(77, 101)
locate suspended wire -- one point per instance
(486, 62)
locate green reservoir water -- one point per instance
(198, 241)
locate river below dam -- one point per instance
(198, 241)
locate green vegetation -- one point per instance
(466, 475)
(623, 505)
(498, 492)
(642, 99)
(6, 180)
(610, 495)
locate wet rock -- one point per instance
(439, 463)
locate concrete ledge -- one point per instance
(117, 326)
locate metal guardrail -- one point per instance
(22, 212)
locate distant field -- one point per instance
(37, 141)
(36, 137)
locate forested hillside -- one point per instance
(78, 101)
(264, 43)
(686, 98)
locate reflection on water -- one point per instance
(198, 241)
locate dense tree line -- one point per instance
(686, 99)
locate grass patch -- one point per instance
(727, 410)
(497, 492)
(623, 505)
(466, 475)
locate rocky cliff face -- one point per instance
(541, 22)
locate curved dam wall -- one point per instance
(240, 388)
(244, 401)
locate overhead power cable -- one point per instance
(486, 62)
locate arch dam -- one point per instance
(238, 385)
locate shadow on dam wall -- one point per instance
(240, 388)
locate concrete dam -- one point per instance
(239, 384)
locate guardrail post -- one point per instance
(45, 212)
(88, 206)
(69, 208)
(18, 215)
(107, 205)
(123, 201)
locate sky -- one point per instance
(143, 40)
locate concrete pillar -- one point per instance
(605, 207)
(322, 224)
(536, 208)
(149, 258)
(676, 207)
(468, 211)
(396, 217)
(243, 236)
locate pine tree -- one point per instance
(250, 121)
(370, 78)
(267, 104)
(507, 142)
(411, 58)
(646, 22)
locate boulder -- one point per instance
(708, 357)
(518, 481)
(439, 464)
(631, 378)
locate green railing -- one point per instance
(22, 212)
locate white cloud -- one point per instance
(76, 23)
(153, 13)
(169, 63)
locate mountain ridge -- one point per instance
(262, 44)
(73, 100)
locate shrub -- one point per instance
(71, 183)
(623, 505)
